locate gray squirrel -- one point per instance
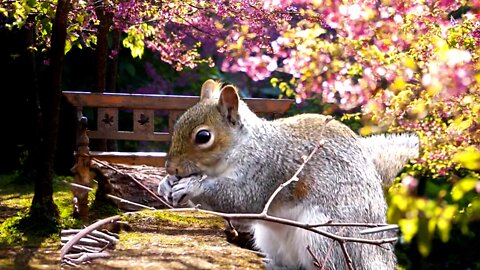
(223, 157)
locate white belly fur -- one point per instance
(286, 245)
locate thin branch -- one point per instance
(288, 222)
(294, 178)
(328, 255)
(342, 240)
(84, 248)
(354, 224)
(86, 231)
(388, 227)
(347, 256)
(84, 257)
(134, 179)
(85, 241)
(113, 197)
(97, 234)
(316, 262)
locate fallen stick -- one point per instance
(108, 236)
(87, 257)
(86, 231)
(83, 248)
(85, 242)
(113, 197)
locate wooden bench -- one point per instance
(144, 107)
(145, 111)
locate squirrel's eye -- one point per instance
(203, 136)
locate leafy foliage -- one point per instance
(409, 67)
(396, 66)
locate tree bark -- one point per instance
(101, 50)
(105, 18)
(29, 171)
(113, 71)
(43, 208)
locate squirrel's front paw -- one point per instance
(165, 187)
(185, 189)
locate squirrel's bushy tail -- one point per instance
(391, 152)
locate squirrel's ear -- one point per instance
(228, 104)
(209, 90)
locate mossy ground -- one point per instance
(155, 240)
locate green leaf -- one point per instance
(31, 3)
(3, 11)
(425, 233)
(68, 46)
(130, 69)
(409, 228)
(470, 158)
(463, 186)
(134, 42)
(444, 223)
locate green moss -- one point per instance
(17, 227)
(9, 232)
(179, 218)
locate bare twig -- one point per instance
(97, 234)
(231, 227)
(328, 254)
(134, 179)
(294, 178)
(288, 222)
(69, 263)
(83, 248)
(316, 262)
(73, 256)
(353, 224)
(346, 255)
(85, 241)
(100, 240)
(87, 257)
(86, 231)
(114, 197)
(316, 228)
(387, 227)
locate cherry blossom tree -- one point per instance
(399, 65)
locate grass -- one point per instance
(15, 200)
(154, 240)
(18, 249)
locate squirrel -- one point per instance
(223, 157)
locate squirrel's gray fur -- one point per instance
(390, 153)
(343, 182)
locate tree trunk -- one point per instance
(113, 71)
(101, 52)
(29, 171)
(43, 208)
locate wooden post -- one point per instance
(81, 169)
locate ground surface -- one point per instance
(155, 240)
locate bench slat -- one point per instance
(143, 121)
(164, 102)
(107, 120)
(132, 158)
(129, 136)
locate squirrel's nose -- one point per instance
(170, 168)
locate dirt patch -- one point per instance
(168, 244)
(176, 241)
(153, 240)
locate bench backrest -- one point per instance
(144, 107)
